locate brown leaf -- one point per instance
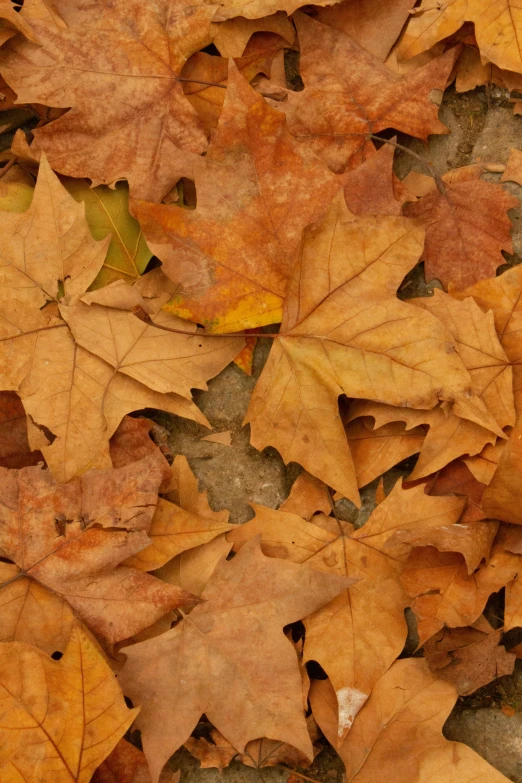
(398, 734)
(147, 131)
(382, 348)
(223, 438)
(468, 657)
(126, 764)
(246, 604)
(468, 228)
(513, 172)
(192, 569)
(369, 188)
(307, 496)
(61, 718)
(443, 591)
(218, 753)
(232, 36)
(15, 451)
(376, 450)
(357, 636)
(235, 278)
(79, 382)
(70, 541)
(349, 94)
(365, 22)
(132, 442)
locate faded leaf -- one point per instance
(468, 657)
(192, 569)
(218, 753)
(233, 255)
(70, 541)
(349, 94)
(398, 734)
(232, 36)
(307, 496)
(147, 131)
(60, 718)
(126, 764)
(358, 635)
(380, 348)
(79, 389)
(246, 604)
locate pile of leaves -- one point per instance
(182, 178)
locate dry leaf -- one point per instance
(468, 657)
(307, 496)
(365, 22)
(381, 348)
(223, 438)
(192, 569)
(14, 446)
(79, 382)
(513, 171)
(70, 542)
(349, 94)
(398, 734)
(132, 442)
(126, 764)
(60, 719)
(147, 131)
(496, 27)
(468, 227)
(369, 188)
(218, 753)
(232, 256)
(231, 37)
(246, 604)
(358, 635)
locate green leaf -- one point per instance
(107, 210)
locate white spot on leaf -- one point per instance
(350, 701)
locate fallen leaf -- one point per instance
(231, 37)
(218, 753)
(513, 171)
(79, 382)
(508, 710)
(358, 635)
(398, 734)
(147, 131)
(366, 24)
(246, 604)
(349, 94)
(369, 188)
(126, 764)
(384, 349)
(253, 9)
(456, 477)
(191, 570)
(468, 657)
(60, 718)
(468, 227)
(376, 450)
(14, 446)
(107, 213)
(307, 496)
(132, 442)
(444, 593)
(223, 438)
(237, 278)
(245, 358)
(496, 28)
(70, 542)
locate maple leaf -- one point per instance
(366, 24)
(147, 130)
(503, 296)
(246, 604)
(14, 446)
(345, 331)
(469, 657)
(376, 450)
(67, 541)
(497, 24)
(350, 94)
(358, 635)
(60, 719)
(79, 382)
(445, 591)
(371, 188)
(398, 734)
(125, 764)
(467, 229)
(232, 256)
(232, 36)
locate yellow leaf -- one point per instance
(60, 719)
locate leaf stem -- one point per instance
(198, 81)
(140, 313)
